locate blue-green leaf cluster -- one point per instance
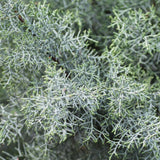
(79, 80)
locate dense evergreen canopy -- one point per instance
(79, 80)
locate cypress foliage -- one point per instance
(79, 80)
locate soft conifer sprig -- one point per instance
(136, 40)
(62, 98)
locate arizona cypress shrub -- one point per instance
(136, 40)
(43, 57)
(135, 47)
(132, 115)
(61, 99)
(92, 15)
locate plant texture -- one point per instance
(138, 37)
(73, 88)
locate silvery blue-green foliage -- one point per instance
(136, 42)
(64, 101)
(51, 79)
(125, 4)
(65, 104)
(92, 15)
(135, 47)
(131, 115)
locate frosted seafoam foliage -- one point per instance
(61, 95)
